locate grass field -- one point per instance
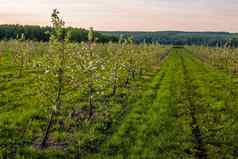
(189, 112)
(182, 108)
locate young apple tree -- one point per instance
(55, 72)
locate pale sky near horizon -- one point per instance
(127, 15)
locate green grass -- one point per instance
(24, 114)
(189, 113)
(188, 109)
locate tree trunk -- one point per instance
(128, 78)
(57, 106)
(90, 99)
(21, 66)
(133, 74)
(46, 135)
(141, 72)
(114, 91)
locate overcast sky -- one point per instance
(136, 15)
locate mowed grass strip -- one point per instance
(215, 100)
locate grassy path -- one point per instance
(212, 99)
(190, 111)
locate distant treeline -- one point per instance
(39, 33)
(181, 38)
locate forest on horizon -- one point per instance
(41, 33)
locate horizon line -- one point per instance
(169, 30)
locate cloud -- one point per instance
(126, 14)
